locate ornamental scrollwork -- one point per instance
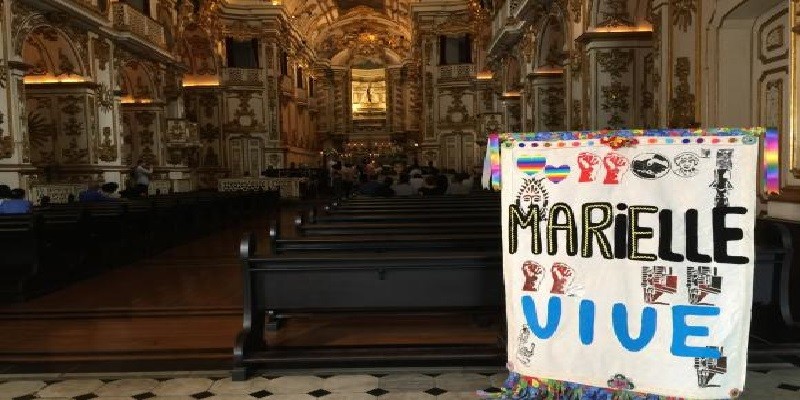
(3, 74)
(105, 97)
(615, 14)
(682, 13)
(615, 62)
(681, 106)
(615, 102)
(6, 142)
(576, 6)
(553, 104)
(107, 149)
(102, 51)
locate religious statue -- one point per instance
(369, 93)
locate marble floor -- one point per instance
(355, 385)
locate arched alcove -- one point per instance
(60, 108)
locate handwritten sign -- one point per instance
(628, 260)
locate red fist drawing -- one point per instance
(588, 162)
(615, 165)
(534, 274)
(563, 278)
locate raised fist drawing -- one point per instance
(588, 162)
(563, 278)
(616, 166)
(534, 274)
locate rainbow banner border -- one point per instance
(771, 139)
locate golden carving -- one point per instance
(6, 147)
(102, 51)
(615, 13)
(682, 13)
(576, 61)
(3, 74)
(73, 154)
(105, 97)
(577, 112)
(615, 101)
(552, 103)
(576, 6)
(107, 149)
(6, 142)
(615, 62)
(681, 106)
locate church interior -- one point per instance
(226, 134)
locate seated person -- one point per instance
(16, 204)
(5, 192)
(403, 187)
(109, 191)
(368, 186)
(385, 190)
(416, 182)
(430, 188)
(442, 183)
(459, 185)
(91, 194)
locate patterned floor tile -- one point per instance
(126, 387)
(457, 396)
(785, 376)
(449, 385)
(291, 397)
(351, 396)
(497, 379)
(20, 388)
(459, 382)
(406, 382)
(71, 388)
(227, 386)
(295, 384)
(350, 383)
(182, 386)
(407, 396)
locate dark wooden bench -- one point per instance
(389, 216)
(61, 243)
(392, 283)
(19, 261)
(398, 228)
(381, 243)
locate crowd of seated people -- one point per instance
(370, 179)
(13, 201)
(97, 193)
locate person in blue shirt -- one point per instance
(16, 204)
(91, 194)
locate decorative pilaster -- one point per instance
(615, 61)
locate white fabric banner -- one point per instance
(631, 268)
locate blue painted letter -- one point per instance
(619, 318)
(586, 322)
(680, 331)
(553, 316)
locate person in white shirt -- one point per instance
(142, 177)
(403, 187)
(416, 182)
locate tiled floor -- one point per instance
(395, 385)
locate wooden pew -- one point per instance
(398, 228)
(61, 243)
(19, 262)
(395, 282)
